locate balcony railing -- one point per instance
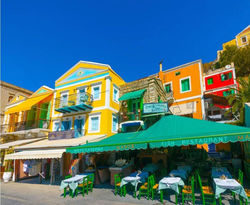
(25, 125)
(73, 103)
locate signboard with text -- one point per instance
(155, 108)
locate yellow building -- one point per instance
(86, 100)
(241, 39)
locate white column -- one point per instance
(108, 90)
(51, 171)
(14, 172)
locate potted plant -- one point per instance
(7, 174)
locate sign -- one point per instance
(155, 108)
(58, 135)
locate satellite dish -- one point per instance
(228, 66)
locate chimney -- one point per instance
(161, 65)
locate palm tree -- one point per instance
(241, 96)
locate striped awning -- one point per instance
(36, 154)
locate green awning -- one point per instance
(171, 130)
(117, 142)
(132, 95)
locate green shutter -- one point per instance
(230, 75)
(210, 81)
(167, 88)
(185, 85)
(222, 76)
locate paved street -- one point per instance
(30, 194)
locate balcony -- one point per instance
(25, 125)
(66, 134)
(74, 103)
(130, 116)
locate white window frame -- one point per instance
(64, 93)
(90, 124)
(100, 92)
(78, 92)
(189, 77)
(114, 116)
(242, 38)
(171, 85)
(118, 92)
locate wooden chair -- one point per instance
(153, 186)
(188, 191)
(207, 193)
(65, 189)
(89, 184)
(81, 187)
(117, 179)
(145, 189)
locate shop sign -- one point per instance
(58, 135)
(243, 138)
(155, 108)
(121, 147)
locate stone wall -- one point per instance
(153, 86)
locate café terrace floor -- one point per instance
(30, 192)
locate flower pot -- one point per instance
(7, 176)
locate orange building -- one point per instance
(184, 84)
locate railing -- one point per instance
(66, 134)
(74, 99)
(25, 125)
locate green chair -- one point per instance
(207, 194)
(153, 186)
(81, 187)
(145, 189)
(118, 188)
(239, 180)
(88, 185)
(65, 189)
(188, 191)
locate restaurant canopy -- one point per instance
(170, 130)
(132, 95)
(27, 104)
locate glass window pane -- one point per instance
(94, 123)
(114, 124)
(96, 93)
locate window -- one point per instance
(96, 92)
(210, 81)
(244, 39)
(94, 123)
(81, 96)
(10, 98)
(64, 100)
(114, 124)
(168, 87)
(226, 76)
(185, 85)
(228, 92)
(79, 126)
(56, 126)
(66, 125)
(115, 94)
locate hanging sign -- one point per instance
(155, 108)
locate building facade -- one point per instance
(86, 100)
(184, 83)
(241, 39)
(219, 84)
(9, 92)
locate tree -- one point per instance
(241, 60)
(240, 57)
(242, 96)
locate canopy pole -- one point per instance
(51, 171)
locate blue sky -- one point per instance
(42, 39)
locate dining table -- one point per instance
(134, 179)
(217, 172)
(73, 182)
(221, 185)
(172, 183)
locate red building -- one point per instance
(218, 84)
